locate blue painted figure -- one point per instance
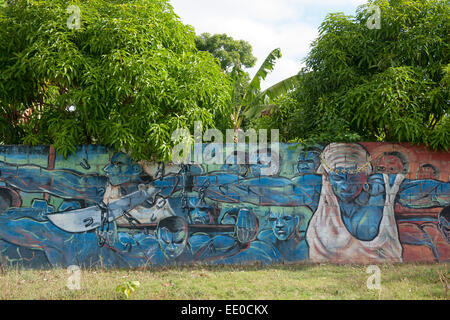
(284, 242)
(199, 212)
(174, 243)
(345, 196)
(337, 208)
(444, 223)
(29, 228)
(70, 184)
(287, 236)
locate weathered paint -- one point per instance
(341, 203)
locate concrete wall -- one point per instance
(341, 203)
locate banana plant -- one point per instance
(250, 101)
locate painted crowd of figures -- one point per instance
(341, 203)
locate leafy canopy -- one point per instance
(387, 84)
(248, 101)
(127, 78)
(231, 53)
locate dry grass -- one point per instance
(289, 282)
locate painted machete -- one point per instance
(86, 219)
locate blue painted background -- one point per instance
(343, 203)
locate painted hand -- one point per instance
(376, 183)
(246, 227)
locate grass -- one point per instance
(287, 282)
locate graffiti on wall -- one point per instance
(339, 203)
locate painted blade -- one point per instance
(86, 219)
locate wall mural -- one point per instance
(340, 203)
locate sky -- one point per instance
(290, 25)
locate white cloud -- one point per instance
(332, 3)
(290, 25)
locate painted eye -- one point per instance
(287, 218)
(179, 235)
(179, 238)
(165, 235)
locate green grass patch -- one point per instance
(287, 282)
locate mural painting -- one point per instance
(339, 203)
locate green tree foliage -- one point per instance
(387, 84)
(132, 71)
(231, 53)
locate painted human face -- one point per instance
(121, 169)
(235, 164)
(283, 225)
(347, 186)
(259, 163)
(172, 244)
(200, 215)
(308, 162)
(199, 212)
(427, 171)
(389, 164)
(264, 164)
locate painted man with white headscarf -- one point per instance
(355, 219)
